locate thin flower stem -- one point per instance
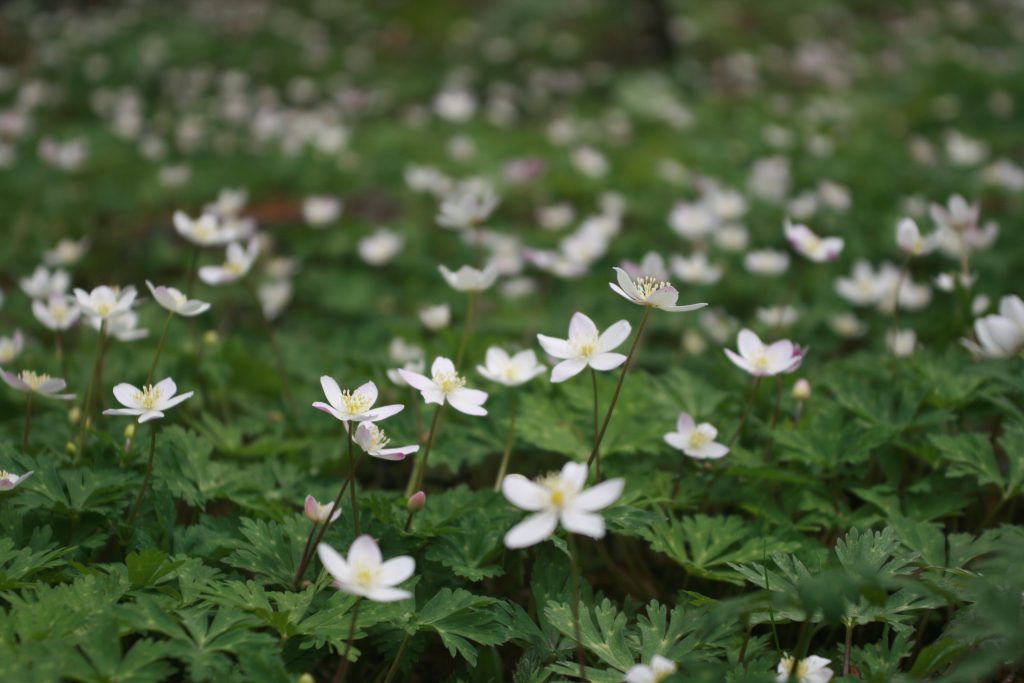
(393, 669)
(597, 460)
(418, 413)
(618, 386)
(904, 274)
(159, 347)
(309, 542)
(342, 671)
(509, 440)
(746, 411)
(308, 554)
(60, 354)
(190, 279)
(278, 358)
(468, 329)
(848, 648)
(87, 404)
(580, 658)
(778, 400)
(416, 479)
(28, 422)
(145, 482)
(349, 430)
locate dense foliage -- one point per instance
(867, 511)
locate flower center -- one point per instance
(149, 397)
(32, 379)
(356, 402)
(4, 474)
(556, 489)
(178, 298)
(364, 575)
(761, 362)
(233, 267)
(448, 382)
(585, 347)
(648, 285)
(378, 439)
(699, 439)
(103, 309)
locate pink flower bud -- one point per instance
(417, 501)
(802, 390)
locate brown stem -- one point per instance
(580, 657)
(467, 330)
(509, 440)
(398, 658)
(418, 469)
(145, 482)
(308, 554)
(342, 670)
(746, 411)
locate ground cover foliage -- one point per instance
(868, 508)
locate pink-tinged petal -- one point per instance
(333, 562)
(558, 348)
(585, 523)
(567, 368)
(387, 594)
(463, 404)
(364, 550)
(618, 290)
(331, 390)
(740, 362)
(51, 386)
(442, 365)
(603, 362)
(685, 423)
(684, 309)
(384, 412)
(370, 389)
(397, 570)
(178, 399)
(13, 381)
(311, 508)
(626, 284)
(531, 530)
(394, 454)
(416, 380)
(614, 336)
(150, 415)
(780, 355)
(328, 409)
(523, 493)
(600, 496)
(748, 343)
(125, 394)
(580, 326)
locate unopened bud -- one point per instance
(75, 414)
(693, 343)
(306, 678)
(71, 448)
(210, 337)
(802, 390)
(417, 501)
(129, 431)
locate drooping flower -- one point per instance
(319, 211)
(319, 513)
(696, 440)
(9, 480)
(364, 573)
(353, 406)
(11, 347)
(437, 317)
(40, 384)
(149, 402)
(446, 386)
(658, 670)
(910, 240)
(373, 441)
(585, 347)
(557, 498)
(469, 205)
(510, 370)
(646, 291)
(237, 264)
(176, 302)
(67, 252)
(818, 249)
(42, 283)
(470, 279)
(762, 360)
(813, 669)
(1000, 335)
(205, 231)
(104, 302)
(380, 247)
(58, 312)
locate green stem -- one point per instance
(278, 358)
(87, 404)
(597, 459)
(310, 546)
(60, 355)
(340, 674)
(467, 330)
(849, 647)
(350, 429)
(190, 280)
(746, 411)
(145, 482)
(618, 386)
(398, 658)
(416, 479)
(28, 422)
(159, 347)
(580, 659)
(509, 440)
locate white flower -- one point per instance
(445, 385)
(11, 347)
(646, 291)
(148, 403)
(42, 283)
(651, 265)
(373, 441)
(319, 211)
(818, 249)
(469, 205)
(696, 270)
(230, 202)
(585, 347)
(58, 312)
(31, 383)
(104, 302)
(762, 360)
(659, 669)
(511, 371)
(901, 343)
(693, 221)
(555, 216)
(777, 316)
(9, 480)
(910, 240)
(205, 231)
(176, 302)
(380, 247)
(696, 440)
(355, 406)
(436, 318)
(122, 327)
(766, 262)
(470, 279)
(847, 325)
(274, 296)
(558, 498)
(318, 513)
(238, 262)
(455, 104)
(364, 573)
(814, 669)
(1000, 335)
(401, 351)
(865, 287)
(66, 253)
(395, 376)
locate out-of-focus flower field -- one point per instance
(512, 341)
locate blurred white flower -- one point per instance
(66, 253)
(319, 211)
(696, 440)
(813, 669)
(467, 206)
(469, 279)
(10, 480)
(364, 573)
(380, 247)
(765, 360)
(436, 318)
(818, 249)
(659, 669)
(646, 291)
(274, 297)
(510, 370)
(555, 216)
(41, 384)
(42, 283)
(445, 385)
(237, 263)
(1000, 335)
(901, 342)
(122, 327)
(695, 269)
(766, 262)
(910, 241)
(11, 347)
(104, 302)
(176, 302)
(585, 347)
(58, 312)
